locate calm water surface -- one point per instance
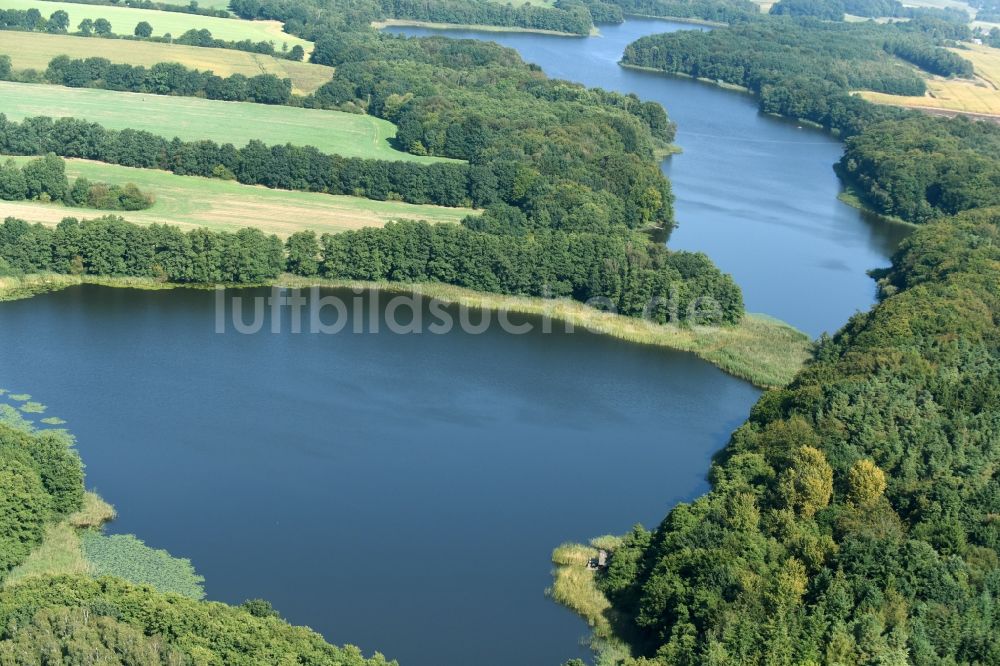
(756, 193)
(404, 493)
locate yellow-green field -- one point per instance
(192, 118)
(204, 4)
(34, 50)
(976, 96)
(124, 19)
(191, 201)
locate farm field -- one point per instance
(34, 50)
(192, 201)
(192, 118)
(124, 19)
(980, 95)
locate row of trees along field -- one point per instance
(167, 78)
(58, 23)
(44, 179)
(901, 163)
(620, 271)
(76, 619)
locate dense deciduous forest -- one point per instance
(834, 10)
(901, 163)
(853, 518)
(568, 17)
(622, 272)
(715, 11)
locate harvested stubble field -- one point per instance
(191, 201)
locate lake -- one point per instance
(400, 492)
(404, 492)
(756, 193)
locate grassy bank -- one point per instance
(193, 118)
(34, 50)
(850, 197)
(762, 350)
(224, 205)
(61, 551)
(574, 585)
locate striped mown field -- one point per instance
(124, 19)
(193, 118)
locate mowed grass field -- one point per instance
(204, 4)
(34, 50)
(191, 201)
(192, 118)
(124, 19)
(980, 95)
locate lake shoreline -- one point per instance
(761, 350)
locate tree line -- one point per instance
(44, 179)
(713, 11)
(834, 10)
(280, 167)
(167, 78)
(571, 17)
(622, 272)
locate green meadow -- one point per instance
(124, 19)
(192, 201)
(192, 118)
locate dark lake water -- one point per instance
(400, 492)
(404, 492)
(756, 193)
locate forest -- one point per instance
(567, 17)
(852, 519)
(901, 163)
